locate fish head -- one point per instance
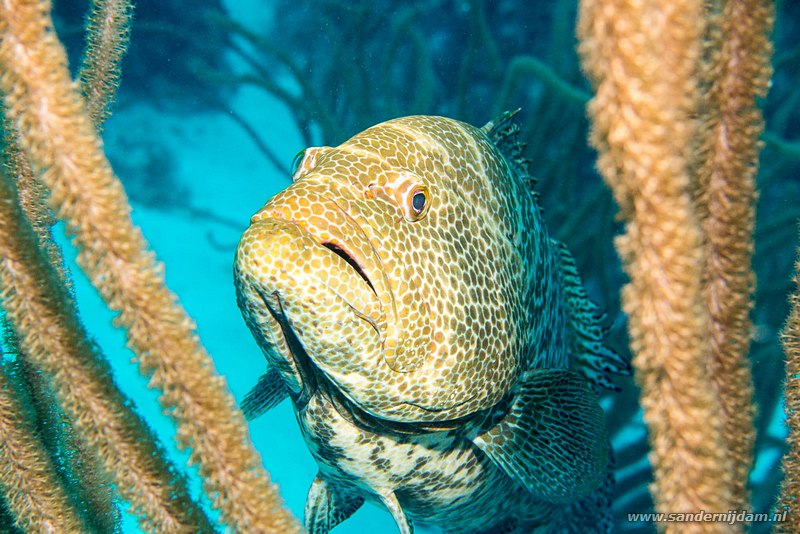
(391, 268)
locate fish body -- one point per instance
(437, 345)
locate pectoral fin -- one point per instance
(326, 507)
(553, 439)
(267, 393)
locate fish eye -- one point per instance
(418, 201)
(412, 196)
(305, 161)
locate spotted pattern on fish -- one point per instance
(432, 473)
(437, 344)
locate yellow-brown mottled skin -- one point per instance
(441, 338)
(406, 330)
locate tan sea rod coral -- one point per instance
(57, 137)
(676, 126)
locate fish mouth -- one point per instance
(343, 236)
(351, 261)
(306, 298)
(388, 297)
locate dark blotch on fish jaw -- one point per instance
(303, 363)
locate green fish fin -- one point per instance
(267, 393)
(326, 507)
(585, 334)
(553, 439)
(503, 132)
(393, 505)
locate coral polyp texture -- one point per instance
(681, 163)
(41, 98)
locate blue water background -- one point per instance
(227, 176)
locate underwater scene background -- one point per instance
(217, 97)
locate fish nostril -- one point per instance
(351, 261)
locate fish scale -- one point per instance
(439, 349)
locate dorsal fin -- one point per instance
(503, 132)
(589, 355)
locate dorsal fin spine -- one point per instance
(503, 132)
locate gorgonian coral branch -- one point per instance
(643, 59)
(61, 141)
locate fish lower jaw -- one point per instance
(289, 356)
(303, 256)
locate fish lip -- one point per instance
(369, 271)
(335, 249)
(351, 261)
(308, 375)
(362, 263)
